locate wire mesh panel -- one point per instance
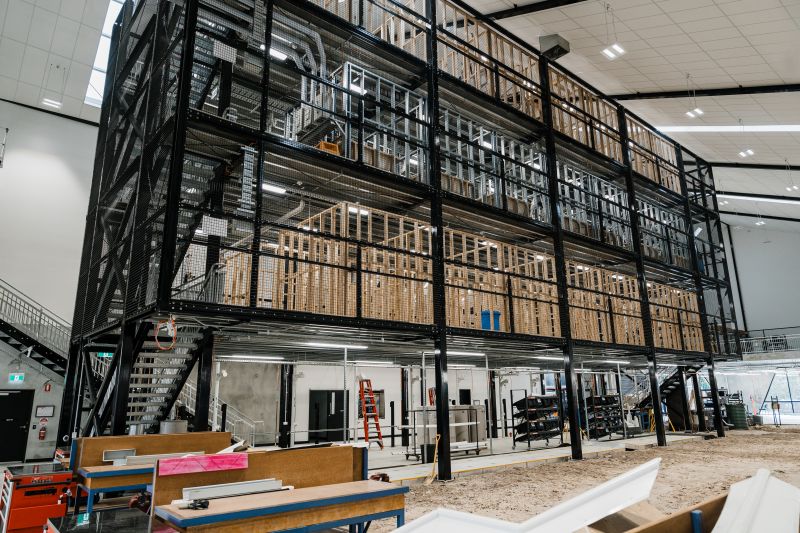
(604, 305)
(594, 207)
(497, 286)
(487, 60)
(652, 155)
(493, 168)
(664, 234)
(584, 115)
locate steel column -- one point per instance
(644, 296)
(437, 251)
(570, 376)
(404, 390)
(712, 381)
(699, 404)
(493, 403)
(687, 417)
(71, 392)
(285, 406)
(127, 357)
(205, 363)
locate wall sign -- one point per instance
(16, 377)
(45, 410)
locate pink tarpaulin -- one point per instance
(202, 463)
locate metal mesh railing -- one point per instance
(771, 344)
(33, 319)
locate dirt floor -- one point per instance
(690, 473)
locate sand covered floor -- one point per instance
(690, 473)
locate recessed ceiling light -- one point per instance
(766, 199)
(760, 223)
(51, 103)
(618, 49)
(609, 54)
(698, 111)
(690, 114)
(749, 152)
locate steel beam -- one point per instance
(752, 166)
(724, 91)
(765, 217)
(527, 9)
(127, 357)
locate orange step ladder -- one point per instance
(369, 412)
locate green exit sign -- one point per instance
(105, 354)
(16, 377)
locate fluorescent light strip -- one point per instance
(613, 362)
(775, 128)
(548, 358)
(51, 103)
(340, 346)
(757, 199)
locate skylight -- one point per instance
(97, 80)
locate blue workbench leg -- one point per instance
(89, 501)
(401, 518)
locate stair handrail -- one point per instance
(34, 319)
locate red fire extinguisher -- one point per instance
(42, 432)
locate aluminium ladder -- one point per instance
(6, 490)
(369, 412)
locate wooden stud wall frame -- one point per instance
(653, 156)
(584, 115)
(314, 270)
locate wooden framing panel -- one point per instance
(90, 450)
(676, 319)
(653, 156)
(584, 115)
(299, 467)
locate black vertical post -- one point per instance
(71, 392)
(127, 355)
(561, 266)
(712, 380)
(736, 276)
(644, 296)
(285, 406)
(493, 402)
(170, 236)
(260, 161)
(202, 400)
(699, 404)
(687, 416)
(223, 416)
(391, 420)
(437, 250)
(404, 390)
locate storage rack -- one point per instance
(603, 407)
(239, 132)
(535, 418)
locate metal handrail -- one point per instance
(33, 319)
(770, 344)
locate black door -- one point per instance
(325, 415)
(464, 397)
(15, 415)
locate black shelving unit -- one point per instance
(536, 418)
(603, 408)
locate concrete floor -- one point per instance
(392, 460)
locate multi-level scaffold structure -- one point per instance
(398, 172)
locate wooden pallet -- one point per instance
(653, 156)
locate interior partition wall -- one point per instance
(389, 166)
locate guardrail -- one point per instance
(770, 344)
(33, 319)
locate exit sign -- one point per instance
(105, 354)
(16, 377)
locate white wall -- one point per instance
(44, 194)
(768, 262)
(37, 449)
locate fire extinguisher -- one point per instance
(42, 432)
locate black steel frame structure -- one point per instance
(197, 161)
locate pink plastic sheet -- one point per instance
(202, 463)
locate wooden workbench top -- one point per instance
(116, 470)
(254, 505)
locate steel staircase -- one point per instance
(27, 326)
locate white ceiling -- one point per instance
(720, 44)
(47, 47)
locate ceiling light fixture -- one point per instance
(615, 50)
(548, 358)
(466, 354)
(773, 128)
(696, 112)
(615, 362)
(775, 200)
(746, 153)
(792, 185)
(51, 103)
(273, 188)
(332, 345)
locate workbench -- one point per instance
(109, 478)
(306, 509)
(116, 521)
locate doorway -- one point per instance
(464, 397)
(326, 415)
(15, 409)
